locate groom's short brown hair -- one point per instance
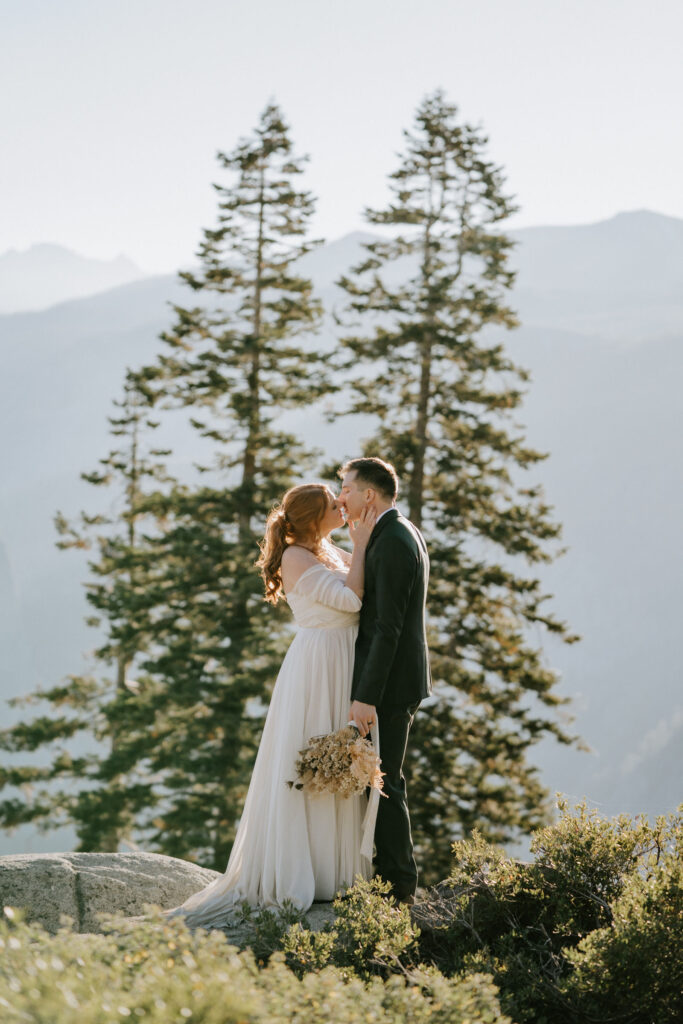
(374, 473)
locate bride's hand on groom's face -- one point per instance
(360, 530)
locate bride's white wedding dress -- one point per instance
(290, 845)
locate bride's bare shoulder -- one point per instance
(295, 555)
(295, 561)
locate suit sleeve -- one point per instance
(394, 579)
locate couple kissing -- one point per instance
(359, 653)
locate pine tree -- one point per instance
(416, 309)
(100, 791)
(235, 362)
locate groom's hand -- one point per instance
(363, 715)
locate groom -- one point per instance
(391, 672)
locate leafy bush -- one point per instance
(632, 969)
(371, 935)
(263, 930)
(584, 928)
(160, 972)
(590, 931)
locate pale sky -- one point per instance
(112, 110)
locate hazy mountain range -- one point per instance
(45, 274)
(602, 313)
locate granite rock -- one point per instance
(83, 885)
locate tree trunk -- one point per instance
(416, 485)
(249, 461)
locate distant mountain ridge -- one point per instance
(605, 256)
(639, 246)
(45, 274)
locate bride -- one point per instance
(289, 845)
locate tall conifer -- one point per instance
(102, 789)
(235, 361)
(416, 309)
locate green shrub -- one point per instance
(264, 930)
(590, 931)
(159, 972)
(632, 969)
(538, 927)
(371, 935)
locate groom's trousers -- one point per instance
(394, 859)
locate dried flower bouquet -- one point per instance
(341, 762)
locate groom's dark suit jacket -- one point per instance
(392, 662)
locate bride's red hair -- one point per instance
(295, 520)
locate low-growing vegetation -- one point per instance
(590, 930)
(159, 971)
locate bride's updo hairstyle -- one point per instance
(296, 520)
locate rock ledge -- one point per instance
(83, 885)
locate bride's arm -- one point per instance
(343, 553)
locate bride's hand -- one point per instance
(360, 530)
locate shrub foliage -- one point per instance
(589, 931)
(161, 972)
